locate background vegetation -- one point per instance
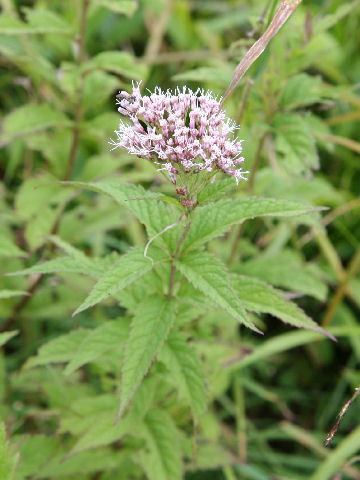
(271, 399)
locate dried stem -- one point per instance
(341, 415)
(285, 10)
(158, 28)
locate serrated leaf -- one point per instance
(12, 293)
(301, 90)
(6, 336)
(9, 249)
(39, 20)
(111, 335)
(186, 372)
(149, 329)
(47, 21)
(130, 266)
(8, 459)
(215, 219)
(30, 119)
(98, 414)
(162, 461)
(286, 271)
(295, 143)
(210, 276)
(147, 206)
(214, 191)
(62, 264)
(59, 350)
(259, 297)
(122, 63)
(215, 75)
(78, 465)
(127, 7)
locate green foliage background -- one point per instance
(271, 399)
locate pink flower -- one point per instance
(184, 132)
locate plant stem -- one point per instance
(351, 271)
(175, 256)
(240, 419)
(78, 111)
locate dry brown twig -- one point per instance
(285, 10)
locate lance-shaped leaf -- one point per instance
(8, 248)
(215, 219)
(62, 264)
(106, 337)
(32, 118)
(12, 293)
(156, 215)
(162, 460)
(295, 143)
(149, 329)
(259, 297)
(6, 336)
(210, 276)
(285, 270)
(186, 373)
(8, 459)
(59, 350)
(131, 266)
(121, 63)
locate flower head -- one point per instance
(184, 132)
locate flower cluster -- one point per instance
(183, 132)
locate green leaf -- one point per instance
(294, 143)
(215, 75)
(30, 119)
(128, 7)
(121, 63)
(79, 465)
(287, 341)
(110, 336)
(162, 460)
(130, 266)
(8, 459)
(210, 276)
(259, 297)
(12, 293)
(9, 249)
(147, 206)
(214, 191)
(285, 270)
(6, 336)
(338, 457)
(38, 21)
(97, 417)
(185, 371)
(330, 20)
(149, 329)
(59, 350)
(62, 264)
(215, 219)
(301, 90)
(47, 21)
